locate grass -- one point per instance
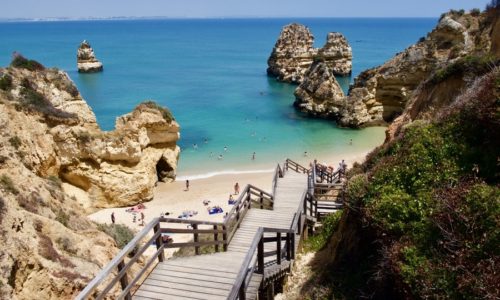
(469, 64)
(120, 233)
(8, 185)
(5, 82)
(190, 251)
(167, 115)
(319, 240)
(20, 61)
(15, 142)
(62, 217)
(46, 250)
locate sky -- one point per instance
(31, 9)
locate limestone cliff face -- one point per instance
(86, 60)
(46, 113)
(317, 94)
(294, 53)
(381, 94)
(49, 249)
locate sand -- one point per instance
(174, 198)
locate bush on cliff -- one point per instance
(120, 233)
(167, 115)
(19, 61)
(430, 202)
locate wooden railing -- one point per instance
(290, 164)
(286, 252)
(222, 233)
(278, 173)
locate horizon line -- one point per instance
(59, 19)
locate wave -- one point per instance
(224, 172)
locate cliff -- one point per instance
(421, 220)
(86, 60)
(294, 53)
(51, 146)
(381, 94)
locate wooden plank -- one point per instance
(208, 282)
(215, 289)
(181, 270)
(195, 276)
(166, 292)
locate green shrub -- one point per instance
(475, 12)
(15, 142)
(36, 101)
(120, 233)
(319, 240)
(478, 65)
(62, 217)
(8, 185)
(167, 115)
(5, 82)
(55, 181)
(19, 61)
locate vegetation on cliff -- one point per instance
(425, 208)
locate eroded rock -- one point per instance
(86, 60)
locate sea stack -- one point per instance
(319, 94)
(87, 62)
(294, 53)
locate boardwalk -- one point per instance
(254, 246)
(212, 276)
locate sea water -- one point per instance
(211, 73)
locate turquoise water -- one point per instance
(211, 74)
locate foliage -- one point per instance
(5, 82)
(120, 233)
(167, 115)
(432, 197)
(46, 250)
(62, 217)
(475, 12)
(472, 65)
(318, 241)
(55, 181)
(32, 99)
(15, 142)
(8, 185)
(2, 208)
(19, 61)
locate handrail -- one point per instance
(236, 290)
(296, 166)
(87, 291)
(278, 173)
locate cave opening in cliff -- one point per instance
(163, 169)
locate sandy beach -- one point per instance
(175, 199)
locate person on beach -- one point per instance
(113, 217)
(236, 189)
(205, 141)
(350, 142)
(305, 153)
(253, 156)
(225, 148)
(187, 185)
(220, 157)
(195, 146)
(142, 218)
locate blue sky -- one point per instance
(231, 8)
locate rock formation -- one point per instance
(62, 138)
(86, 60)
(337, 54)
(381, 94)
(317, 94)
(294, 53)
(51, 146)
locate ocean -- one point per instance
(211, 73)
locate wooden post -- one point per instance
(159, 242)
(288, 252)
(292, 245)
(196, 248)
(216, 238)
(124, 280)
(261, 200)
(242, 295)
(260, 255)
(224, 237)
(249, 200)
(278, 247)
